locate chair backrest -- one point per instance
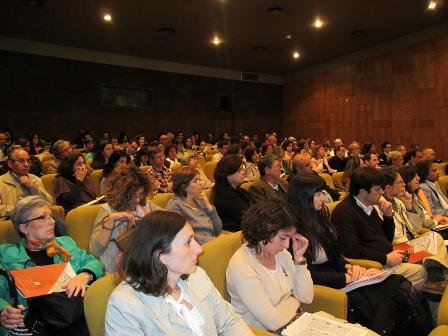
(49, 182)
(95, 304)
(332, 205)
(216, 257)
(441, 168)
(175, 166)
(337, 180)
(201, 161)
(442, 312)
(143, 169)
(209, 193)
(79, 223)
(97, 175)
(161, 199)
(209, 170)
(246, 185)
(443, 184)
(8, 234)
(328, 180)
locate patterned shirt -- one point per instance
(163, 176)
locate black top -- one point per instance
(230, 204)
(337, 163)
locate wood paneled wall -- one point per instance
(57, 97)
(400, 96)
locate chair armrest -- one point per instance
(442, 312)
(260, 332)
(365, 263)
(440, 331)
(330, 300)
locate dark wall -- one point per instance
(400, 96)
(57, 97)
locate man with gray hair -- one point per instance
(18, 183)
(270, 185)
(396, 159)
(60, 150)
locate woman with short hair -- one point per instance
(192, 203)
(162, 291)
(102, 155)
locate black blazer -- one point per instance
(230, 204)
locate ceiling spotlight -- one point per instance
(107, 17)
(432, 5)
(288, 37)
(274, 10)
(296, 55)
(166, 30)
(318, 23)
(216, 41)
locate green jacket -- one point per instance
(15, 257)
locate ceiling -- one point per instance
(242, 24)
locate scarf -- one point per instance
(442, 199)
(52, 247)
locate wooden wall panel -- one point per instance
(400, 96)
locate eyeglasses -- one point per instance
(43, 217)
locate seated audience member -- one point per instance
(319, 161)
(35, 163)
(192, 203)
(126, 191)
(18, 183)
(160, 271)
(429, 174)
(115, 144)
(413, 157)
(387, 307)
(266, 149)
(288, 150)
(354, 149)
(159, 175)
(352, 163)
(180, 150)
(90, 150)
(396, 159)
(365, 234)
(36, 146)
(302, 164)
(38, 246)
(192, 161)
(223, 147)
(265, 283)
(371, 160)
(338, 160)
(368, 148)
(429, 154)
(171, 156)
(73, 186)
(142, 159)
(420, 204)
(270, 185)
(203, 149)
(102, 155)
(141, 141)
(131, 148)
(402, 149)
(229, 198)
(408, 226)
(117, 158)
(59, 150)
(251, 163)
(383, 157)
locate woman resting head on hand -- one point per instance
(162, 291)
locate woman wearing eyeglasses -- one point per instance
(126, 191)
(38, 246)
(192, 203)
(230, 199)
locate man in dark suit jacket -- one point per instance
(270, 186)
(339, 160)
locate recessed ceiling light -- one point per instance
(216, 41)
(166, 30)
(107, 17)
(260, 48)
(357, 33)
(296, 55)
(275, 10)
(318, 23)
(432, 5)
(288, 37)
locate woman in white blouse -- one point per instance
(163, 292)
(265, 283)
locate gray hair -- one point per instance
(56, 149)
(394, 155)
(12, 149)
(21, 211)
(266, 162)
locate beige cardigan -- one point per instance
(257, 298)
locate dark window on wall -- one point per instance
(122, 96)
(225, 103)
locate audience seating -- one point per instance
(97, 175)
(161, 199)
(337, 181)
(209, 194)
(79, 223)
(217, 254)
(8, 234)
(201, 161)
(328, 180)
(441, 168)
(209, 170)
(175, 166)
(143, 169)
(246, 185)
(49, 182)
(442, 183)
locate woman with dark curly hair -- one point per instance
(162, 290)
(73, 185)
(264, 281)
(117, 158)
(102, 155)
(230, 199)
(126, 191)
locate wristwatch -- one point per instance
(300, 262)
